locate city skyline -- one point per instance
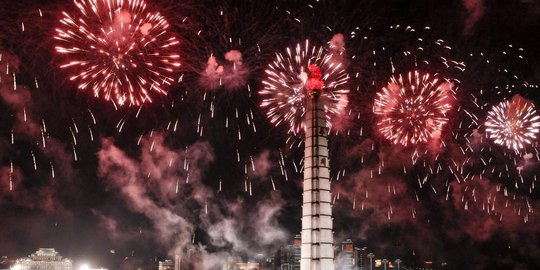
(135, 131)
(348, 257)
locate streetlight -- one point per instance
(398, 262)
(371, 256)
(384, 261)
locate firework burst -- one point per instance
(118, 49)
(413, 109)
(284, 94)
(513, 124)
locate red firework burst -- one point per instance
(514, 124)
(118, 49)
(413, 109)
(285, 95)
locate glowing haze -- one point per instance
(118, 49)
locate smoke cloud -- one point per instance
(475, 11)
(338, 42)
(230, 74)
(39, 174)
(28, 129)
(165, 185)
(377, 199)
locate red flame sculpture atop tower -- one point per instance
(314, 83)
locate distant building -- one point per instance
(247, 266)
(230, 263)
(288, 257)
(178, 262)
(363, 260)
(166, 265)
(236, 263)
(347, 256)
(187, 260)
(43, 259)
(264, 261)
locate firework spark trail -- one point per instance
(118, 49)
(284, 95)
(222, 48)
(413, 109)
(478, 158)
(419, 157)
(473, 198)
(513, 124)
(463, 153)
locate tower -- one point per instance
(317, 252)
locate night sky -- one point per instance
(202, 168)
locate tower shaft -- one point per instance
(317, 252)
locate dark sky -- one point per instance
(85, 178)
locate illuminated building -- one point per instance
(288, 257)
(236, 263)
(178, 262)
(43, 259)
(347, 258)
(363, 261)
(247, 266)
(166, 265)
(185, 260)
(264, 261)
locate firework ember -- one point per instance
(513, 124)
(118, 49)
(284, 94)
(413, 109)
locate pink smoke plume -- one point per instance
(475, 11)
(27, 127)
(337, 43)
(377, 199)
(229, 74)
(165, 185)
